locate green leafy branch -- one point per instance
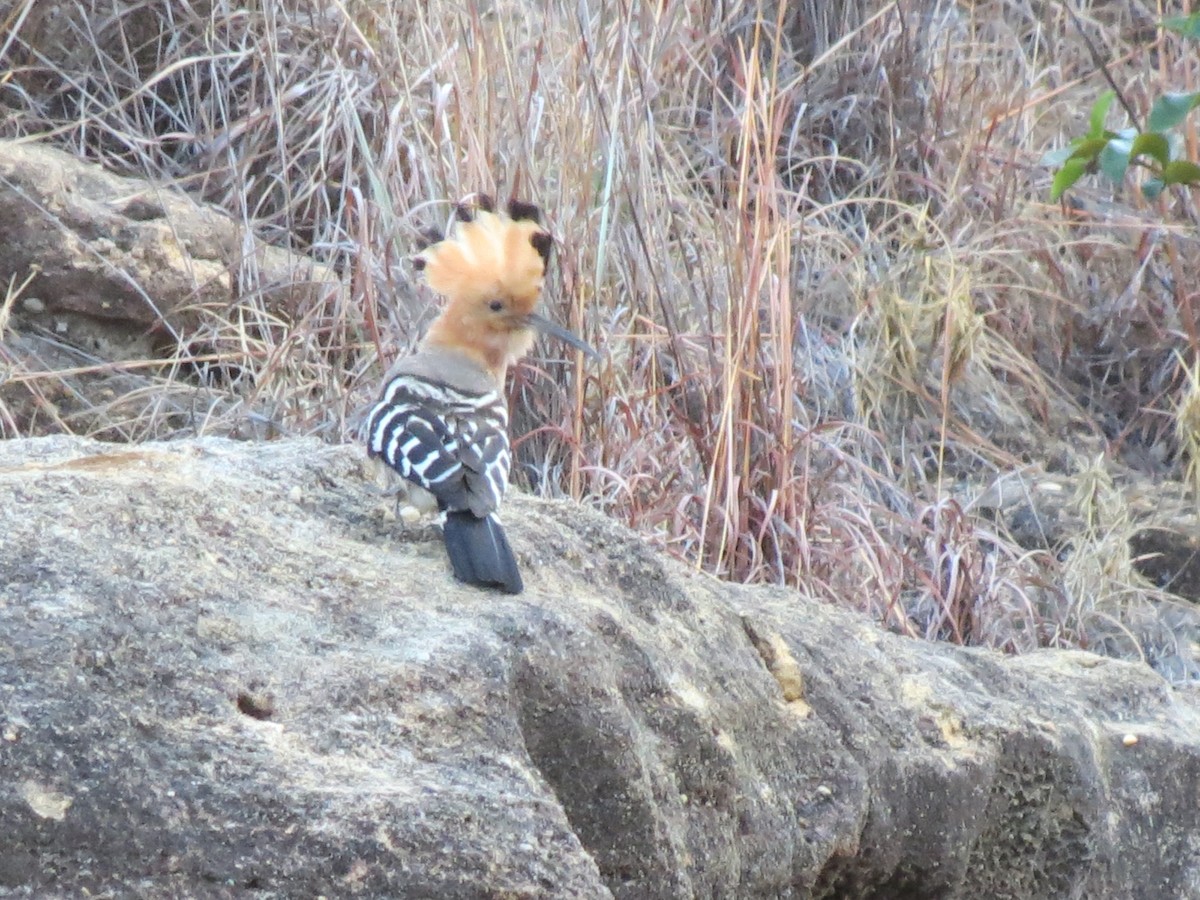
(1113, 152)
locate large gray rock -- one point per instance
(120, 266)
(225, 668)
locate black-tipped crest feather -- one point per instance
(521, 210)
(543, 243)
(427, 238)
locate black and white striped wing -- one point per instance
(452, 443)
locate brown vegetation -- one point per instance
(840, 318)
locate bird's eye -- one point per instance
(496, 305)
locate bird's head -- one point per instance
(491, 269)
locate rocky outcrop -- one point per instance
(118, 265)
(227, 670)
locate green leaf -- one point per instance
(1114, 158)
(1170, 109)
(1081, 148)
(1151, 144)
(1181, 171)
(1188, 26)
(1099, 111)
(1152, 187)
(1070, 173)
(1088, 148)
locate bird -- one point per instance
(441, 420)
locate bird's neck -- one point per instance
(488, 350)
(492, 349)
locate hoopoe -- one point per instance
(441, 420)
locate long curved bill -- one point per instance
(545, 326)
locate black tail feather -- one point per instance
(480, 553)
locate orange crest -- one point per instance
(492, 255)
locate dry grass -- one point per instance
(836, 308)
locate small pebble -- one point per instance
(1129, 740)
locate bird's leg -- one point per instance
(413, 503)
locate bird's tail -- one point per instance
(479, 552)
